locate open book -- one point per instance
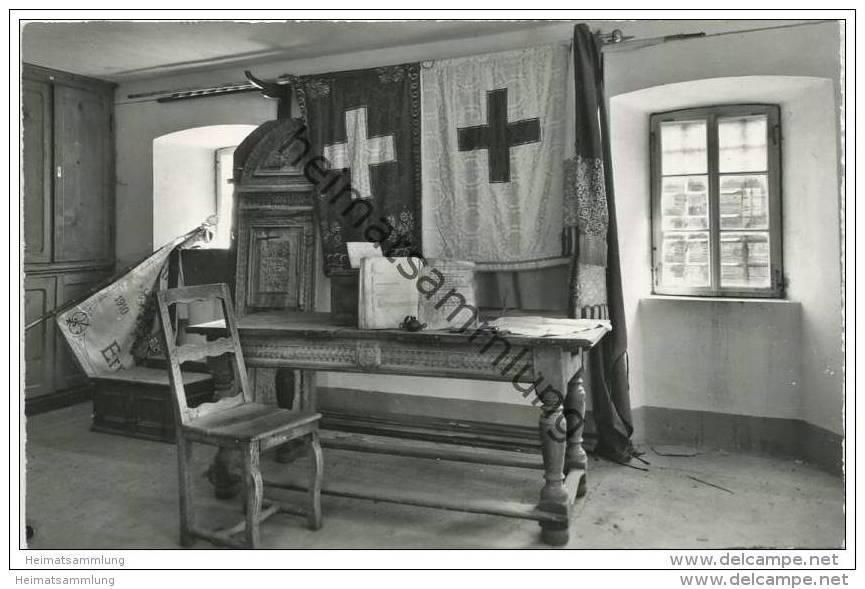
(536, 326)
(440, 293)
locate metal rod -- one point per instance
(157, 95)
(206, 93)
(615, 40)
(182, 90)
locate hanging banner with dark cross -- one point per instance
(493, 149)
(364, 125)
(498, 135)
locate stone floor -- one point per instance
(92, 490)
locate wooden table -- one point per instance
(545, 371)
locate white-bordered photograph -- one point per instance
(382, 281)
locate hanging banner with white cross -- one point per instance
(365, 127)
(493, 148)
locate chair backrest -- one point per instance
(595, 312)
(177, 355)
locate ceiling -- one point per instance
(128, 50)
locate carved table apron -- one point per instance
(546, 372)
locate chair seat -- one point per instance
(250, 422)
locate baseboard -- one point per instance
(58, 399)
(822, 447)
(511, 426)
(791, 438)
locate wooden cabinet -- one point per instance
(68, 214)
(83, 211)
(37, 151)
(39, 299)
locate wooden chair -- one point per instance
(233, 422)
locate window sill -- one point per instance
(717, 299)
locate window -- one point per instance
(224, 197)
(716, 206)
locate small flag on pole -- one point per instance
(104, 329)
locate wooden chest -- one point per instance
(139, 402)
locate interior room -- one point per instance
(648, 214)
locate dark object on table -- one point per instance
(411, 323)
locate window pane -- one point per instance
(742, 144)
(685, 203)
(745, 259)
(686, 259)
(683, 147)
(744, 202)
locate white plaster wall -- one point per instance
(629, 139)
(183, 189)
(796, 51)
(719, 356)
(811, 250)
(137, 125)
(184, 177)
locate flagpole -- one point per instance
(116, 276)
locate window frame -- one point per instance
(711, 114)
(219, 154)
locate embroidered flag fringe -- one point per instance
(107, 330)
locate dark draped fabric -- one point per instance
(608, 362)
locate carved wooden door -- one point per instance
(277, 255)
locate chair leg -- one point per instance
(316, 474)
(184, 462)
(254, 492)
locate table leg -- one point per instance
(286, 387)
(575, 414)
(550, 384)
(295, 390)
(310, 394)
